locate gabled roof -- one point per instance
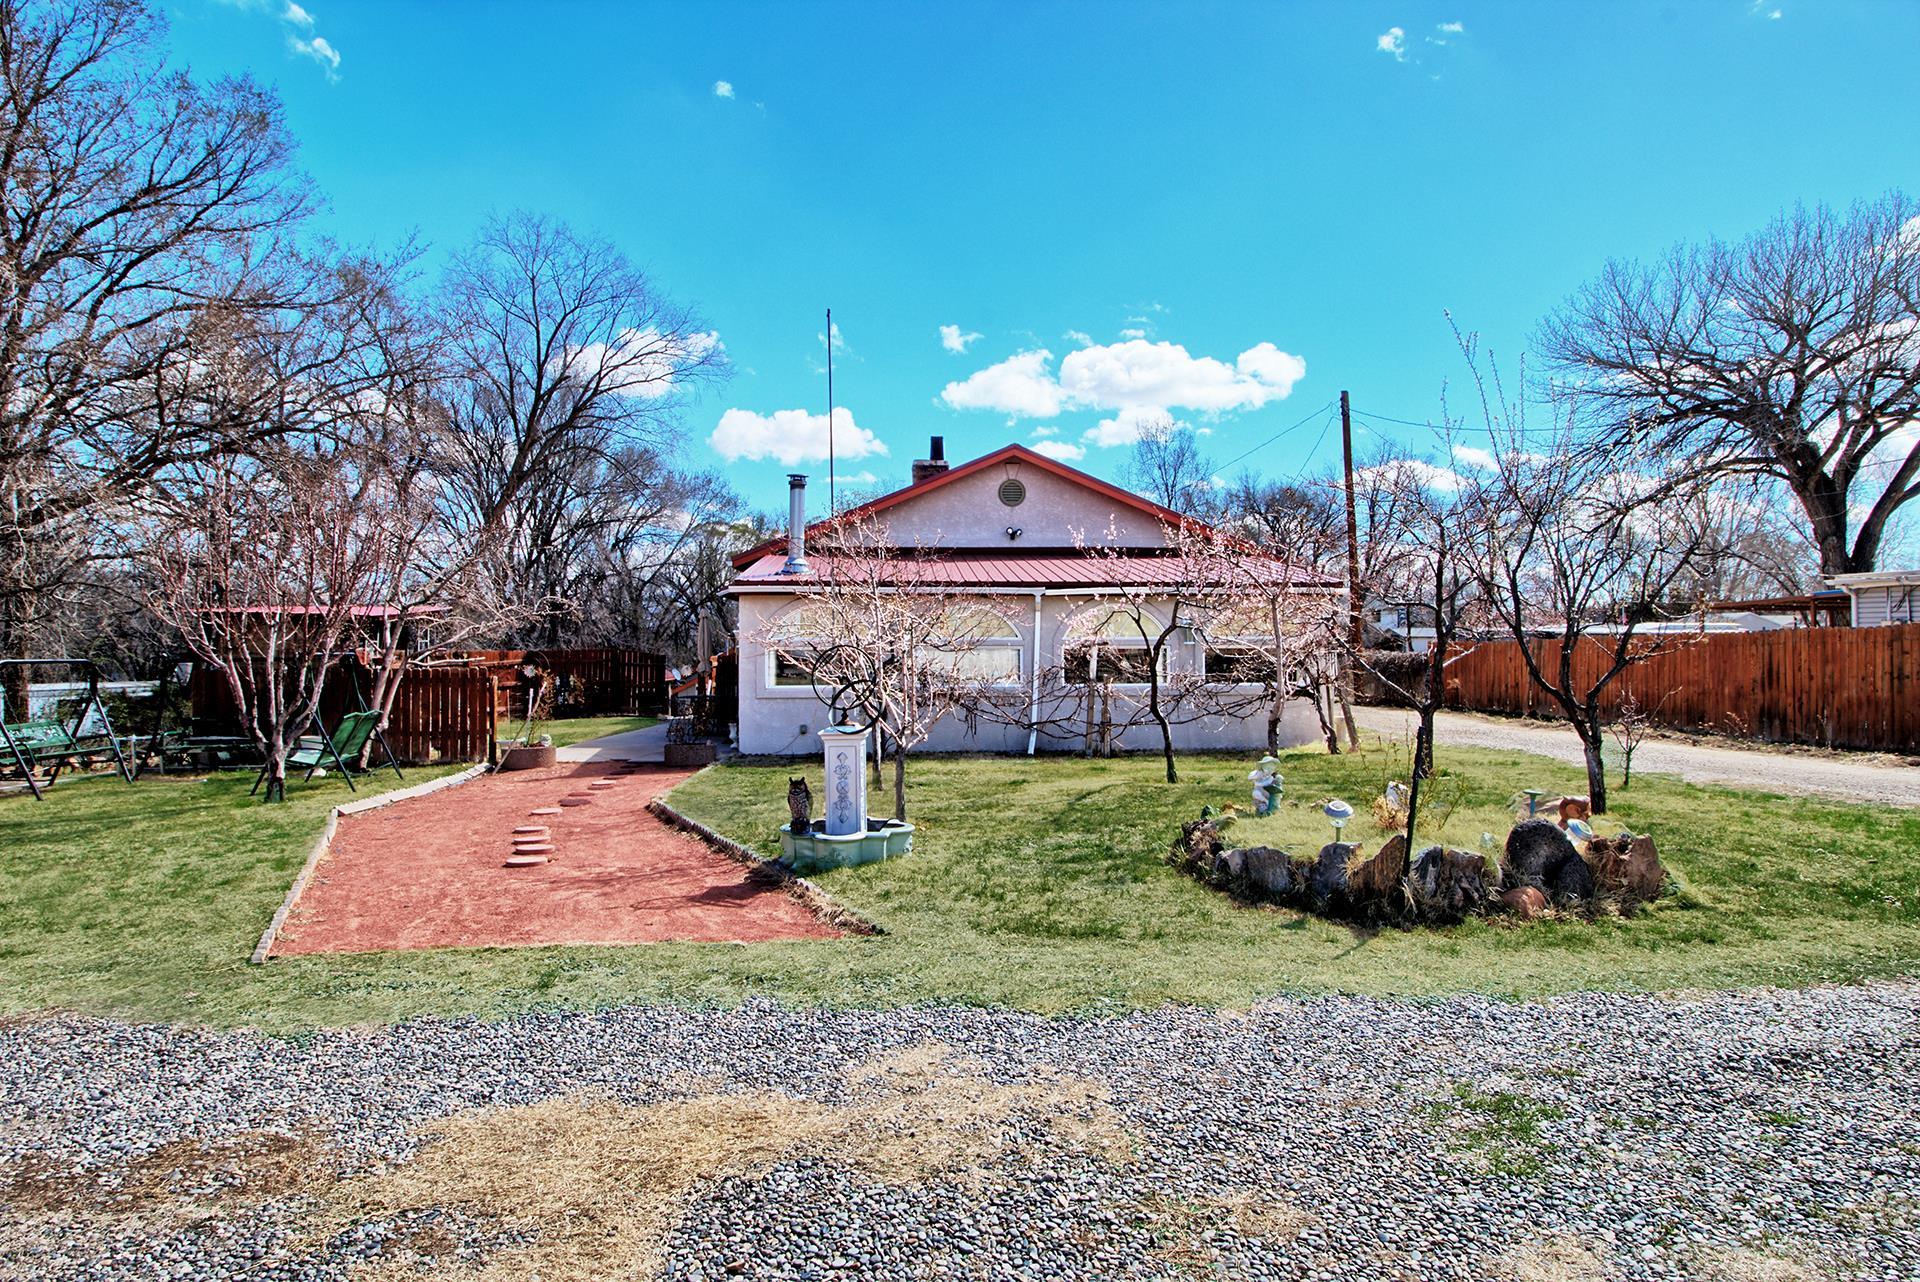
(1005, 454)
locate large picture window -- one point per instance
(977, 644)
(1111, 647)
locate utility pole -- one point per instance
(1356, 632)
(830, 506)
(1356, 636)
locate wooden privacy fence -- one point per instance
(599, 682)
(439, 714)
(1839, 687)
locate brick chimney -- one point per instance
(927, 468)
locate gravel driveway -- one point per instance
(1760, 1135)
(1757, 768)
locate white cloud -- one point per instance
(1060, 450)
(1021, 385)
(1474, 456)
(723, 88)
(1393, 41)
(296, 15)
(954, 340)
(1078, 337)
(1133, 333)
(1126, 426)
(791, 436)
(1165, 375)
(643, 364)
(1137, 380)
(1452, 28)
(319, 50)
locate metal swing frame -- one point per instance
(27, 756)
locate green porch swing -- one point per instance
(34, 742)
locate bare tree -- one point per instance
(879, 630)
(1168, 468)
(133, 195)
(1793, 353)
(1427, 570)
(1586, 544)
(559, 350)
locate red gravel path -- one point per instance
(426, 873)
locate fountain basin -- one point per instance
(815, 851)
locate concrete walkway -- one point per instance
(1761, 769)
(647, 744)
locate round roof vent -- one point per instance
(1012, 492)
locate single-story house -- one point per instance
(1881, 596)
(1048, 544)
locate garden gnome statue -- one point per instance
(1267, 784)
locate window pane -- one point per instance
(982, 663)
(1125, 665)
(1226, 663)
(791, 671)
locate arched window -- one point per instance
(974, 643)
(1111, 643)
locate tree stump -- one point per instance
(1626, 869)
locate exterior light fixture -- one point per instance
(1338, 811)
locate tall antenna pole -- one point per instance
(830, 503)
(1357, 634)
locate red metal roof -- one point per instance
(988, 568)
(1019, 453)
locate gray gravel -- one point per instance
(1866, 777)
(1761, 1134)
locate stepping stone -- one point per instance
(525, 861)
(576, 801)
(601, 785)
(531, 830)
(533, 848)
(545, 810)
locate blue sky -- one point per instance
(1228, 212)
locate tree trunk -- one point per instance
(1596, 768)
(899, 779)
(1346, 704)
(1160, 717)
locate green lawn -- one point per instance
(1034, 883)
(573, 729)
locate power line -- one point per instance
(1277, 435)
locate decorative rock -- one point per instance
(1447, 885)
(1536, 851)
(1269, 869)
(1626, 868)
(1377, 881)
(1571, 884)
(1525, 902)
(1327, 879)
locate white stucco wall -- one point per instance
(780, 721)
(968, 513)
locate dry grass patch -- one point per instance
(1554, 1259)
(1742, 1265)
(597, 1184)
(1180, 1224)
(250, 1166)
